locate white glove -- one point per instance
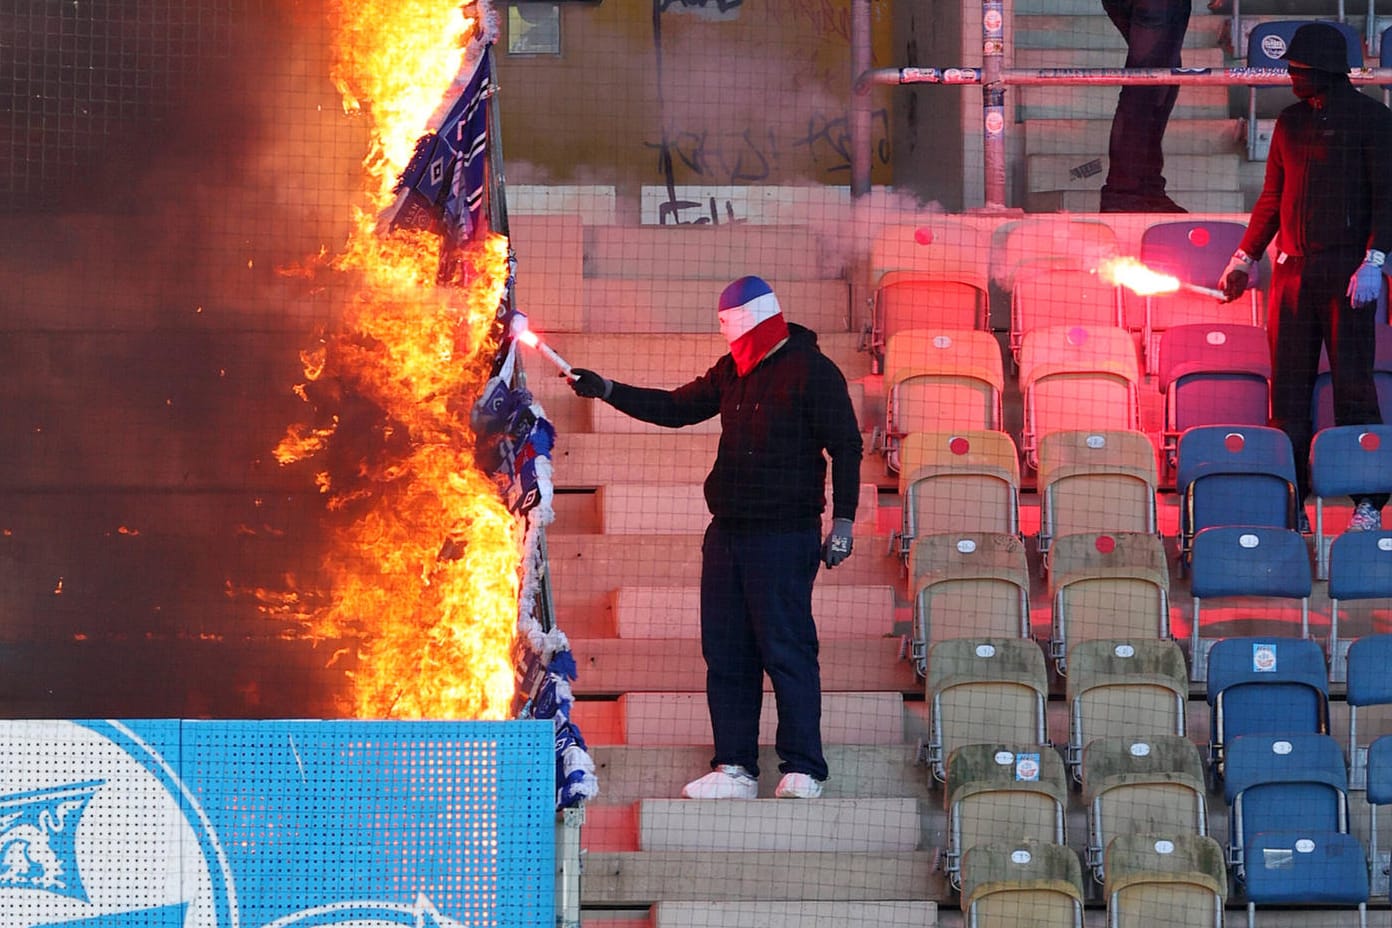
(1365, 286)
(1236, 275)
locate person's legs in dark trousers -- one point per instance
(1351, 338)
(1295, 330)
(1154, 33)
(734, 675)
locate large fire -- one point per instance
(425, 558)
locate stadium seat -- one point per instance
(1369, 686)
(1092, 481)
(981, 689)
(1002, 792)
(1141, 785)
(953, 482)
(1379, 786)
(1212, 374)
(1305, 867)
(1046, 294)
(967, 584)
(1108, 585)
(907, 300)
(1165, 880)
(1022, 883)
(1194, 252)
(1077, 377)
(1020, 246)
(1265, 45)
(1360, 569)
(940, 380)
(1283, 782)
(1233, 476)
(1264, 686)
(1123, 688)
(1322, 400)
(1346, 460)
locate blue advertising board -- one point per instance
(276, 824)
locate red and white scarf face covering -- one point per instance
(753, 329)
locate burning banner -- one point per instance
(435, 464)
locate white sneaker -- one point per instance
(728, 781)
(798, 786)
(1365, 518)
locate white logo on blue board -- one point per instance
(421, 914)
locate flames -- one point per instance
(1136, 277)
(425, 558)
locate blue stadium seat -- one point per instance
(1306, 868)
(1347, 460)
(1283, 782)
(1360, 569)
(1369, 684)
(1212, 374)
(1379, 782)
(1322, 400)
(1247, 561)
(1265, 46)
(1233, 476)
(1264, 686)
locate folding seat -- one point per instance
(1022, 883)
(1001, 793)
(1346, 460)
(1194, 252)
(1020, 247)
(1162, 880)
(1248, 562)
(1305, 867)
(965, 584)
(1141, 785)
(1322, 400)
(1280, 782)
(1095, 481)
(1111, 585)
(1263, 686)
(938, 380)
(1047, 294)
(1077, 377)
(1360, 569)
(953, 482)
(1369, 686)
(1233, 476)
(1212, 374)
(1379, 786)
(984, 689)
(1265, 45)
(1123, 688)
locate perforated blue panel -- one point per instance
(167, 824)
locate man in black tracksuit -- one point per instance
(1327, 199)
(783, 408)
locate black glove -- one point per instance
(837, 546)
(589, 384)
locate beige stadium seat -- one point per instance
(968, 583)
(1024, 883)
(1095, 481)
(1141, 785)
(939, 379)
(942, 299)
(981, 689)
(1107, 585)
(1123, 688)
(1165, 880)
(965, 481)
(1046, 294)
(1000, 792)
(1077, 377)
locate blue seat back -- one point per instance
(1214, 449)
(1380, 771)
(1285, 758)
(1369, 662)
(1196, 252)
(1360, 567)
(1260, 686)
(1348, 459)
(1201, 399)
(1250, 560)
(1322, 402)
(1213, 348)
(1234, 661)
(1306, 868)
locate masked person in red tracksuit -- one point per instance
(1327, 200)
(783, 409)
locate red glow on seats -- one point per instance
(1198, 237)
(1234, 442)
(1369, 441)
(1077, 335)
(923, 235)
(959, 445)
(1106, 544)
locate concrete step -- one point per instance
(550, 269)
(669, 508)
(647, 304)
(1063, 101)
(1085, 201)
(614, 666)
(1090, 58)
(794, 914)
(649, 877)
(845, 825)
(1182, 136)
(1182, 172)
(840, 611)
(705, 252)
(659, 718)
(1093, 30)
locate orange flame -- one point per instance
(1134, 276)
(425, 562)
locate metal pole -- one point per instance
(993, 102)
(1024, 77)
(861, 104)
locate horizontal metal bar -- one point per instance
(1252, 77)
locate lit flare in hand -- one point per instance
(1130, 273)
